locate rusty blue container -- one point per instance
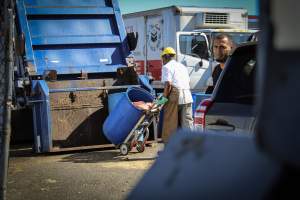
(125, 115)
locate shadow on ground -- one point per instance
(86, 156)
(21, 151)
(104, 156)
(91, 157)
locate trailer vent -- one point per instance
(216, 18)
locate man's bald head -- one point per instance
(222, 46)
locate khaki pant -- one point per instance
(186, 116)
(175, 114)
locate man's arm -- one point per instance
(166, 79)
(167, 89)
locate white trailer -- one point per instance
(175, 27)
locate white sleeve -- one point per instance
(166, 74)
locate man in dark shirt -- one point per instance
(222, 46)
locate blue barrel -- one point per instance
(125, 115)
(113, 100)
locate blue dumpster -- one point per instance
(125, 115)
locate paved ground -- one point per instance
(81, 175)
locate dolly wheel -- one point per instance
(133, 144)
(140, 146)
(124, 149)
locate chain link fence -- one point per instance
(2, 65)
(6, 84)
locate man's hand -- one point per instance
(162, 100)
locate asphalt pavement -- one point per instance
(101, 174)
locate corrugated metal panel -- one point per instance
(77, 117)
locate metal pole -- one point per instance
(7, 105)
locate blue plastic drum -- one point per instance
(125, 115)
(113, 100)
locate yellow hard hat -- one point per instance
(168, 51)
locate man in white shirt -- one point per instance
(178, 109)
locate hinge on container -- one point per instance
(50, 75)
(83, 75)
